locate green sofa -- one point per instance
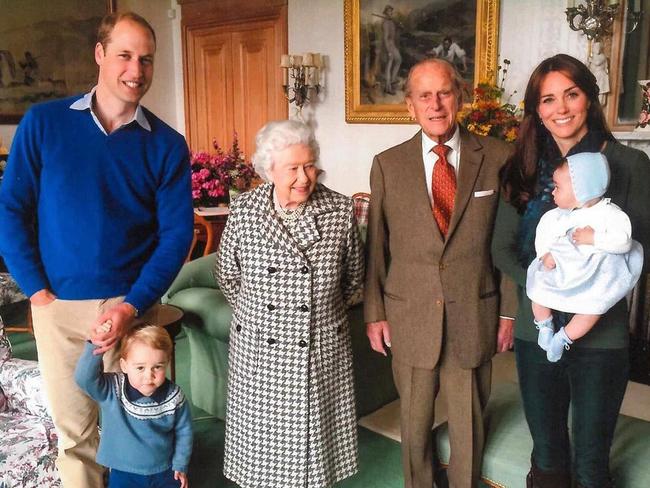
(207, 325)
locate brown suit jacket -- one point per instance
(426, 287)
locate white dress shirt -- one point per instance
(87, 103)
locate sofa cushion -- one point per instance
(28, 449)
(22, 384)
(506, 459)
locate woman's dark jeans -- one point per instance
(594, 382)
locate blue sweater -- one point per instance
(142, 436)
(114, 212)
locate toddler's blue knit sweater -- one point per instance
(144, 436)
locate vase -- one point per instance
(644, 117)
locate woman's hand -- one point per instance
(548, 261)
(182, 477)
(583, 235)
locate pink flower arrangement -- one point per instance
(215, 175)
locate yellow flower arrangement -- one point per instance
(487, 115)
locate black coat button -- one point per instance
(270, 341)
(304, 270)
(238, 328)
(271, 269)
(304, 308)
(271, 307)
(302, 344)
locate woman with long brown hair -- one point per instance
(563, 116)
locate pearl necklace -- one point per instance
(291, 214)
(286, 214)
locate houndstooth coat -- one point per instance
(290, 419)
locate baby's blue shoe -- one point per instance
(559, 343)
(546, 331)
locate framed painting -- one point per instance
(46, 51)
(384, 38)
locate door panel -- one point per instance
(233, 82)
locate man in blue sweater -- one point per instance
(96, 219)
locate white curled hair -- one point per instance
(277, 136)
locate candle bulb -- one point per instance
(307, 59)
(297, 61)
(285, 61)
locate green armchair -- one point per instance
(207, 325)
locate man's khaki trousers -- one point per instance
(467, 392)
(61, 329)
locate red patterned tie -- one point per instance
(443, 188)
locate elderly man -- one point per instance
(96, 218)
(431, 295)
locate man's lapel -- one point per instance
(471, 159)
(415, 175)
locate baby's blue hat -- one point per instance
(589, 173)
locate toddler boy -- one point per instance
(146, 435)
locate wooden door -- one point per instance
(233, 82)
(209, 100)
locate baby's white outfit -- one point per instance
(587, 279)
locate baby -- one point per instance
(146, 435)
(586, 258)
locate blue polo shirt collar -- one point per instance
(86, 103)
(158, 396)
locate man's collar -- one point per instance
(86, 103)
(453, 142)
(158, 396)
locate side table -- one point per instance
(208, 227)
(169, 317)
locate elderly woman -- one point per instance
(289, 258)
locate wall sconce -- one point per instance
(595, 19)
(300, 74)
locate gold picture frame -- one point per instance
(369, 97)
